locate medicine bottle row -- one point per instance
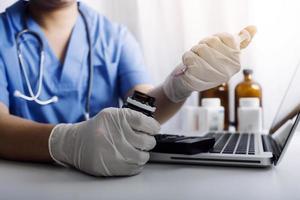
(213, 114)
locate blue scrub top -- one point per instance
(118, 67)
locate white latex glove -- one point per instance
(208, 64)
(113, 143)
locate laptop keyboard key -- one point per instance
(242, 146)
(220, 143)
(251, 150)
(231, 144)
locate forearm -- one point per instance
(165, 108)
(23, 140)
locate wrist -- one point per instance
(175, 87)
(56, 143)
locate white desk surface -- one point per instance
(157, 181)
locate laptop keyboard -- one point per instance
(233, 143)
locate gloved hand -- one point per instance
(113, 143)
(208, 64)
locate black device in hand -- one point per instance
(165, 143)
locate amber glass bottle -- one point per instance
(247, 88)
(221, 92)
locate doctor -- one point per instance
(63, 69)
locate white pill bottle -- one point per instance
(249, 115)
(189, 118)
(210, 115)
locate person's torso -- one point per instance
(68, 80)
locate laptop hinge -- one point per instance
(270, 145)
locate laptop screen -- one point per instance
(288, 116)
(290, 104)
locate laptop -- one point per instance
(249, 149)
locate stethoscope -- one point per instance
(54, 99)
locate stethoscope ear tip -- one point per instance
(54, 99)
(17, 93)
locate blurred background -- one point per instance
(167, 28)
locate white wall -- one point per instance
(166, 28)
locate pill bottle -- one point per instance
(222, 92)
(247, 88)
(210, 115)
(249, 115)
(189, 118)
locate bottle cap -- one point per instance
(247, 72)
(250, 102)
(210, 102)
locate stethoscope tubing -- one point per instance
(54, 99)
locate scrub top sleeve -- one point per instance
(131, 69)
(4, 96)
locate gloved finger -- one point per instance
(196, 84)
(129, 153)
(205, 73)
(117, 140)
(141, 122)
(215, 43)
(223, 64)
(124, 169)
(230, 40)
(116, 167)
(132, 155)
(112, 164)
(247, 35)
(244, 35)
(127, 148)
(141, 141)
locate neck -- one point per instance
(54, 18)
(248, 77)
